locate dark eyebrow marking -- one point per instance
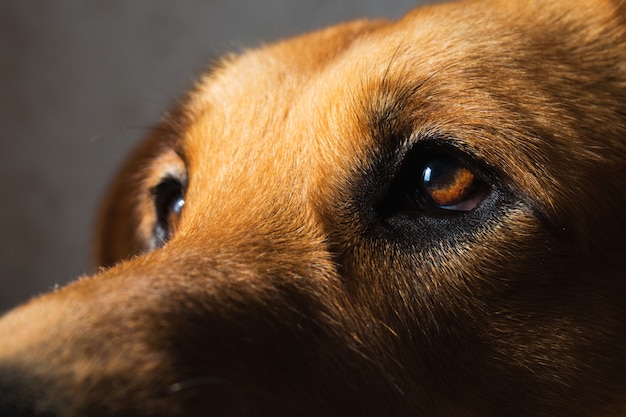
(398, 104)
(391, 110)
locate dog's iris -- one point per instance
(450, 185)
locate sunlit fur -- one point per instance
(295, 284)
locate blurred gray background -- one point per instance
(81, 81)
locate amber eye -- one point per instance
(446, 183)
(168, 202)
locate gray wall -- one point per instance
(81, 81)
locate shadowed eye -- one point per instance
(446, 183)
(435, 183)
(168, 203)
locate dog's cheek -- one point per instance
(500, 309)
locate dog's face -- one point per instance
(419, 218)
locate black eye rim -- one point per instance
(167, 196)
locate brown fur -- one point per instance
(298, 282)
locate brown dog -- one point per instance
(417, 218)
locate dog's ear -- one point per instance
(118, 233)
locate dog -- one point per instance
(414, 218)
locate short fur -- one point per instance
(297, 280)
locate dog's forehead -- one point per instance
(303, 113)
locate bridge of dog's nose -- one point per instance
(144, 340)
(21, 393)
(88, 346)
